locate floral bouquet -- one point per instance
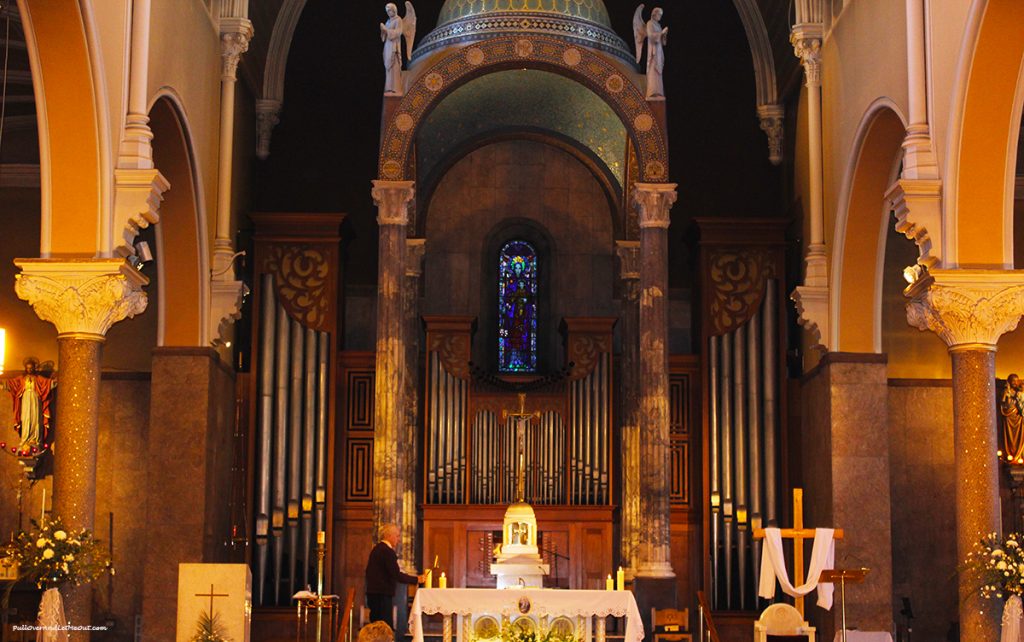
(516, 633)
(51, 555)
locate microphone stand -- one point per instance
(555, 555)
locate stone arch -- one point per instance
(74, 162)
(860, 231)
(182, 252)
(979, 207)
(506, 52)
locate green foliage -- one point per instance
(52, 555)
(516, 633)
(209, 629)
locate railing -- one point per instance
(705, 624)
(345, 630)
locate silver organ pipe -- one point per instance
(716, 496)
(268, 318)
(743, 424)
(740, 455)
(280, 445)
(323, 361)
(295, 404)
(308, 448)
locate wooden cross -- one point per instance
(798, 534)
(212, 595)
(522, 421)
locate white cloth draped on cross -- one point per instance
(773, 566)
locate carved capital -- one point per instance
(225, 307)
(917, 204)
(966, 307)
(654, 203)
(392, 199)
(772, 124)
(235, 34)
(137, 197)
(414, 250)
(83, 297)
(268, 115)
(812, 312)
(806, 40)
(629, 259)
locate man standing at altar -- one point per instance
(383, 575)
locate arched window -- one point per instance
(517, 307)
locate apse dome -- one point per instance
(584, 22)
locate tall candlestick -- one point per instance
(428, 581)
(609, 584)
(42, 511)
(321, 537)
(620, 579)
(442, 582)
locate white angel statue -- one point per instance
(391, 34)
(656, 37)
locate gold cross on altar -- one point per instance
(212, 595)
(798, 534)
(522, 421)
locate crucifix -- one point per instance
(522, 419)
(211, 595)
(798, 534)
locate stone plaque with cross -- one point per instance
(216, 598)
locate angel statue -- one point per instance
(656, 37)
(391, 34)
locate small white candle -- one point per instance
(442, 582)
(609, 584)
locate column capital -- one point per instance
(82, 297)
(917, 204)
(137, 197)
(806, 40)
(414, 250)
(629, 259)
(235, 34)
(773, 125)
(268, 115)
(966, 308)
(654, 202)
(226, 298)
(392, 199)
(813, 313)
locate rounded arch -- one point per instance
(509, 52)
(74, 164)
(983, 145)
(860, 230)
(594, 165)
(182, 256)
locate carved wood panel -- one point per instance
(359, 469)
(354, 450)
(595, 550)
(554, 545)
(682, 410)
(359, 406)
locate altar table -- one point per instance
(507, 604)
(863, 636)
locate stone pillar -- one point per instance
(970, 310)
(632, 522)
(654, 201)
(407, 448)
(83, 299)
(389, 411)
(846, 477)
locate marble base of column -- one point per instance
(74, 455)
(975, 442)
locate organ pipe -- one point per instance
(280, 446)
(308, 447)
(264, 430)
(770, 404)
(295, 404)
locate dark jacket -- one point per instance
(382, 572)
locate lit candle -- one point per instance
(620, 579)
(321, 537)
(42, 511)
(428, 581)
(609, 584)
(442, 582)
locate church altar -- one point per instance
(543, 607)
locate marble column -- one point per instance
(654, 201)
(83, 299)
(970, 310)
(407, 448)
(389, 411)
(632, 523)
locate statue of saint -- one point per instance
(391, 34)
(1011, 407)
(31, 393)
(656, 37)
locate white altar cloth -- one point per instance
(549, 602)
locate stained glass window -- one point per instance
(517, 308)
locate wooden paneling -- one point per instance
(358, 469)
(684, 409)
(359, 400)
(354, 465)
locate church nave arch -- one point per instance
(860, 231)
(983, 147)
(463, 65)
